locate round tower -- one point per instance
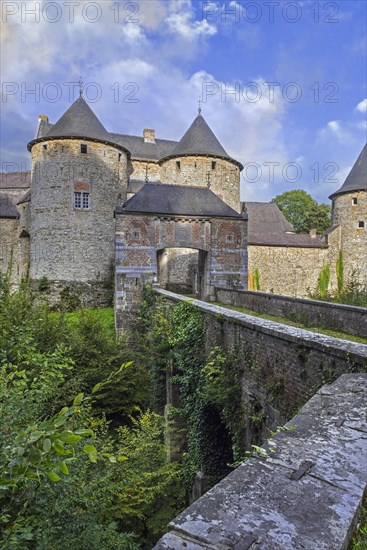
(200, 160)
(349, 213)
(78, 175)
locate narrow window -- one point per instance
(86, 200)
(214, 164)
(354, 200)
(120, 155)
(77, 199)
(45, 147)
(361, 225)
(229, 238)
(83, 148)
(136, 234)
(178, 165)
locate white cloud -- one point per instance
(362, 106)
(181, 21)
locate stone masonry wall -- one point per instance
(292, 271)
(223, 180)
(70, 244)
(14, 252)
(282, 365)
(141, 167)
(349, 319)
(306, 493)
(353, 239)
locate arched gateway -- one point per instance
(163, 217)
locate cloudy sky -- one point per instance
(283, 84)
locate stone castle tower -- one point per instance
(349, 217)
(78, 174)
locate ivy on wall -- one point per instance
(208, 386)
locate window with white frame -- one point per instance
(81, 200)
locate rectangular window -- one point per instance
(77, 199)
(44, 147)
(81, 200)
(361, 225)
(229, 238)
(83, 148)
(86, 202)
(354, 200)
(178, 165)
(214, 164)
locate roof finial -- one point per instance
(199, 102)
(80, 87)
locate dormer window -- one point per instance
(361, 225)
(354, 201)
(83, 148)
(178, 165)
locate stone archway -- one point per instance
(182, 270)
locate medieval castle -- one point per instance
(102, 211)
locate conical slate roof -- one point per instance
(357, 177)
(79, 121)
(200, 140)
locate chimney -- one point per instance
(313, 233)
(43, 118)
(149, 136)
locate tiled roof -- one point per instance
(357, 177)
(156, 198)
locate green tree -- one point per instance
(303, 212)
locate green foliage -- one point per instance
(340, 272)
(303, 212)
(43, 284)
(256, 278)
(359, 540)
(323, 281)
(68, 479)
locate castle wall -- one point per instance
(223, 180)
(14, 252)
(140, 170)
(177, 269)
(69, 244)
(353, 239)
(292, 271)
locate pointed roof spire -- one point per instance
(200, 140)
(357, 177)
(79, 121)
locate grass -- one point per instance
(359, 540)
(284, 321)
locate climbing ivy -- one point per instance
(208, 384)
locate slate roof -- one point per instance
(13, 186)
(157, 198)
(79, 121)
(266, 217)
(267, 226)
(200, 140)
(144, 150)
(357, 177)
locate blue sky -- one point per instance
(296, 117)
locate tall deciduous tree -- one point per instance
(303, 211)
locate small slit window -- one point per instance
(136, 234)
(120, 155)
(81, 200)
(83, 148)
(361, 225)
(44, 147)
(354, 200)
(229, 238)
(178, 165)
(214, 164)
